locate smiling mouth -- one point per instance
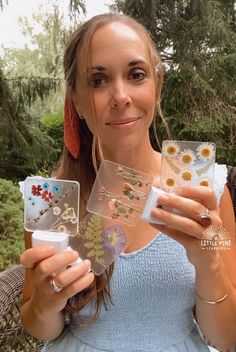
(123, 122)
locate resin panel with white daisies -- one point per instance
(187, 163)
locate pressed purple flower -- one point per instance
(114, 239)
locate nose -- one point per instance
(120, 96)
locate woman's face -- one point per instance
(123, 87)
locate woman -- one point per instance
(114, 79)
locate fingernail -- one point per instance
(163, 198)
(87, 262)
(75, 254)
(156, 212)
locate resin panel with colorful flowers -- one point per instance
(51, 205)
(99, 240)
(187, 163)
(119, 193)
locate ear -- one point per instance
(77, 105)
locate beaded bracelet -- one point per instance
(211, 302)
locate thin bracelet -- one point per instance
(211, 302)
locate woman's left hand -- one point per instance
(192, 201)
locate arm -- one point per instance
(42, 312)
(215, 270)
(218, 322)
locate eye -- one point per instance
(137, 74)
(98, 80)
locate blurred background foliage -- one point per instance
(31, 115)
(196, 40)
(11, 223)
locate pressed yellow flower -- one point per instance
(206, 151)
(205, 181)
(186, 175)
(187, 157)
(170, 149)
(169, 183)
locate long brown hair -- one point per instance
(77, 61)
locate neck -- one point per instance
(142, 158)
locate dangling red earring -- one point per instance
(71, 128)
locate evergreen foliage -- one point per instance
(26, 145)
(11, 224)
(76, 7)
(53, 124)
(197, 41)
(23, 146)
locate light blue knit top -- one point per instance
(153, 297)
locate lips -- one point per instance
(123, 122)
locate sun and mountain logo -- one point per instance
(215, 238)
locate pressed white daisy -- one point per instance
(206, 151)
(170, 149)
(169, 183)
(187, 176)
(187, 157)
(205, 181)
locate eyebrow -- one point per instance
(131, 63)
(99, 68)
(136, 62)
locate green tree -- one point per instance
(197, 41)
(27, 145)
(44, 50)
(53, 125)
(23, 146)
(11, 224)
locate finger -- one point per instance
(66, 277)
(57, 262)
(187, 207)
(203, 195)
(33, 256)
(179, 223)
(77, 286)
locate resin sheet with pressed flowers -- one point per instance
(187, 163)
(100, 240)
(51, 205)
(119, 193)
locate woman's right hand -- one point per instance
(44, 263)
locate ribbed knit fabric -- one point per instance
(153, 298)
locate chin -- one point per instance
(124, 145)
